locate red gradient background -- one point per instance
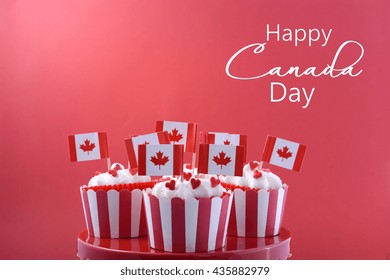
(118, 66)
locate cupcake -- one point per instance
(258, 203)
(187, 216)
(113, 203)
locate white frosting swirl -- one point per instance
(115, 176)
(184, 189)
(265, 179)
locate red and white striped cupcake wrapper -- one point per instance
(113, 213)
(187, 225)
(257, 212)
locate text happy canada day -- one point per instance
(311, 37)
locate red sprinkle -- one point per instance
(117, 167)
(195, 183)
(188, 166)
(113, 172)
(253, 164)
(214, 182)
(171, 185)
(257, 174)
(187, 176)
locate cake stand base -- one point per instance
(237, 248)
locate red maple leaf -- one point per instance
(175, 136)
(285, 153)
(226, 142)
(221, 159)
(87, 146)
(159, 159)
(146, 143)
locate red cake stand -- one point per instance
(237, 248)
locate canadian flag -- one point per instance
(88, 146)
(180, 133)
(151, 138)
(221, 159)
(159, 160)
(284, 153)
(222, 138)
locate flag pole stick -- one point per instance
(108, 163)
(178, 178)
(193, 163)
(261, 165)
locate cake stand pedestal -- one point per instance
(237, 248)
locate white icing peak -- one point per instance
(193, 187)
(117, 175)
(255, 177)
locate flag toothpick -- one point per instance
(133, 142)
(160, 160)
(108, 163)
(180, 133)
(221, 159)
(88, 146)
(193, 163)
(283, 153)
